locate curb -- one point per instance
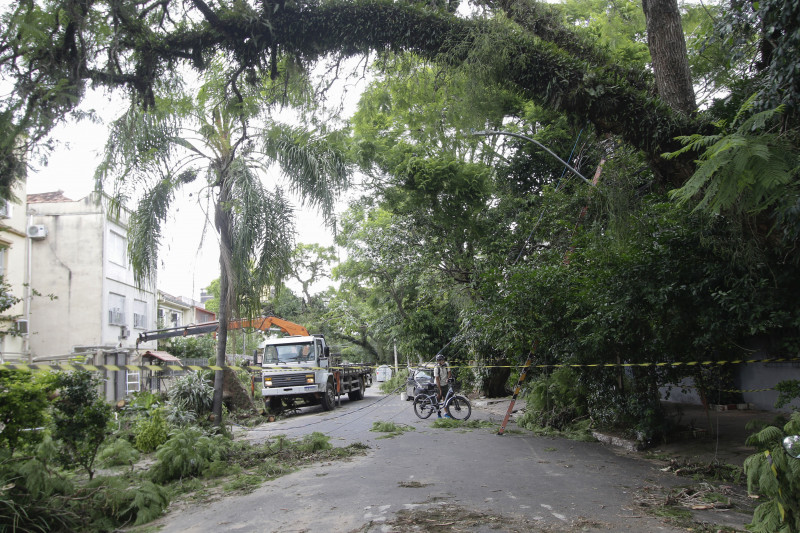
(611, 440)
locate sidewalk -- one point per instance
(709, 436)
(701, 436)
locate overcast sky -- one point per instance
(185, 266)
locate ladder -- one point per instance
(133, 382)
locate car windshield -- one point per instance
(289, 353)
(422, 377)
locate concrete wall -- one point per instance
(758, 376)
(67, 264)
(755, 379)
(72, 264)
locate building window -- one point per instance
(117, 249)
(139, 314)
(116, 309)
(175, 319)
(3, 255)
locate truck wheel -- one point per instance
(275, 404)
(357, 394)
(329, 397)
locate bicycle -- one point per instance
(455, 405)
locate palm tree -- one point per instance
(227, 136)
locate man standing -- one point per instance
(441, 373)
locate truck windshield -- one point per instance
(288, 353)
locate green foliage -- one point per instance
(554, 400)
(193, 392)
(396, 383)
(765, 36)
(187, 453)
(7, 301)
(314, 442)
(81, 418)
(150, 431)
(113, 501)
(143, 401)
(23, 407)
(120, 452)
(775, 475)
(195, 347)
(177, 413)
(34, 494)
(390, 428)
(788, 392)
(748, 165)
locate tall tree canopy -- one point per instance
(53, 50)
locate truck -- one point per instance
(295, 368)
(301, 368)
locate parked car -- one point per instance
(419, 380)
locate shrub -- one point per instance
(201, 347)
(23, 406)
(775, 475)
(144, 401)
(553, 401)
(178, 414)
(81, 419)
(194, 393)
(118, 453)
(110, 501)
(34, 496)
(187, 453)
(150, 431)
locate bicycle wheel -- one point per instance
(459, 407)
(424, 406)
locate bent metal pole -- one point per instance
(522, 377)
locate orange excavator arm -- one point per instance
(263, 323)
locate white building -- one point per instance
(89, 302)
(13, 269)
(178, 311)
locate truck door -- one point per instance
(323, 362)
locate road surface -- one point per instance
(434, 479)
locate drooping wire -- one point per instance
(541, 213)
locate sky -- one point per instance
(188, 261)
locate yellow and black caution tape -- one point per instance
(157, 368)
(258, 368)
(624, 365)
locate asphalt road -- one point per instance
(434, 479)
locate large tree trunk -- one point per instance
(222, 219)
(668, 53)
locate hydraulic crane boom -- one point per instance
(262, 323)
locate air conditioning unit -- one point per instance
(5, 209)
(37, 231)
(22, 326)
(124, 332)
